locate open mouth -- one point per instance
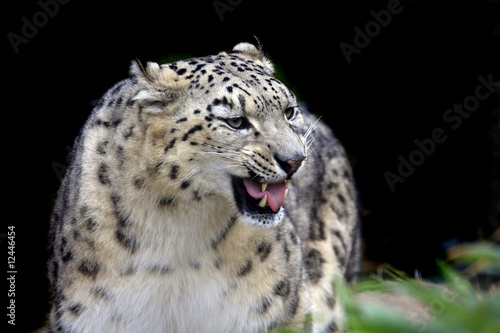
(260, 198)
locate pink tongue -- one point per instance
(275, 193)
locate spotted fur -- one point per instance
(153, 230)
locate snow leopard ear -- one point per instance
(251, 52)
(158, 76)
(162, 85)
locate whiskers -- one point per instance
(309, 136)
(239, 157)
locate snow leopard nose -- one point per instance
(290, 166)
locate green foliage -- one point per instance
(455, 305)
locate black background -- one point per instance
(396, 90)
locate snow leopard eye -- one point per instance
(290, 113)
(236, 123)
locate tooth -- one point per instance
(286, 192)
(264, 186)
(263, 202)
(287, 182)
